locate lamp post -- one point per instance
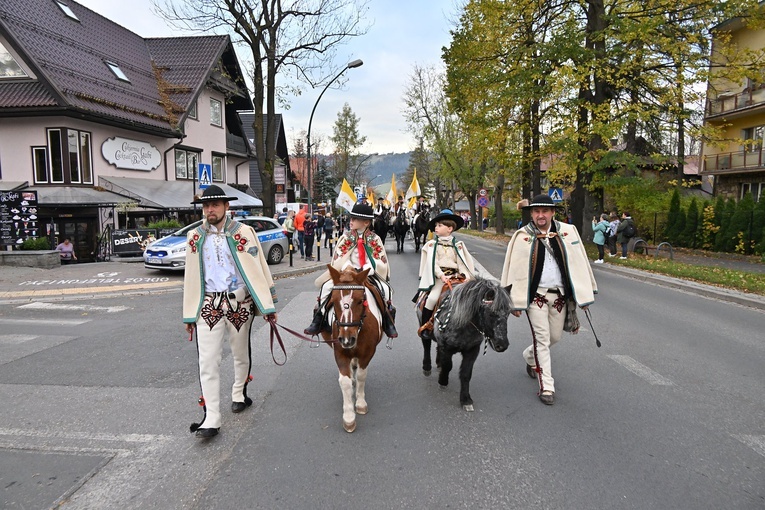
(350, 65)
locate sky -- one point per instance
(403, 33)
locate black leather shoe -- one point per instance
(389, 328)
(427, 334)
(547, 397)
(531, 371)
(207, 433)
(238, 407)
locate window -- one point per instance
(186, 164)
(66, 160)
(755, 136)
(216, 113)
(755, 188)
(9, 67)
(193, 110)
(40, 161)
(218, 165)
(67, 10)
(115, 68)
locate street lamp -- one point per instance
(350, 65)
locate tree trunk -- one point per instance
(498, 211)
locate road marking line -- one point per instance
(641, 370)
(16, 339)
(55, 306)
(756, 443)
(125, 438)
(89, 290)
(44, 322)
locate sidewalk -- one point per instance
(126, 276)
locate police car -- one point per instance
(169, 253)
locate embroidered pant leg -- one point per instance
(240, 350)
(209, 345)
(547, 322)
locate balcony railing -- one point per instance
(732, 102)
(235, 144)
(733, 161)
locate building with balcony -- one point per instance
(106, 129)
(737, 110)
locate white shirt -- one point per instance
(551, 276)
(219, 266)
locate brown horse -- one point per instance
(355, 331)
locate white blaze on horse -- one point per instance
(355, 330)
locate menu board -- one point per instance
(18, 217)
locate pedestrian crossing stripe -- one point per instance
(556, 195)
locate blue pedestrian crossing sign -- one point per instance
(205, 175)
(556, 194)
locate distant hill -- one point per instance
(385, 165)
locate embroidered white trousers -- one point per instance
(547, 322)
(210, 347)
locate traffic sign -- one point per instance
(483, 201)
(556, 194)
(483, 193)
(205, 175)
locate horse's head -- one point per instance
(482, 305)
(495, 308)
(349, 300)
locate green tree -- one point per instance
(673, 216)
(690, 234)
(348, 140)
(726, 238)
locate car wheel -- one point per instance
(275, 254)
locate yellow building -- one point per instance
(736, 107)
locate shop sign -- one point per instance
(132, 241)
(131, 154)
(18, 217)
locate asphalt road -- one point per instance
(667, 414)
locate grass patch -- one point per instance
(743, 281)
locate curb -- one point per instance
(699, 289)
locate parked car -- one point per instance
(169, 253)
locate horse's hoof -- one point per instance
(468, 407)
(426, 373)
(362, 409)
(442, 387)
(349, 427)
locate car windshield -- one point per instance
(259, 224)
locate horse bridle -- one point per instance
(359, 323)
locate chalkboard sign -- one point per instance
(18, 217)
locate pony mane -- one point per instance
(468, 297)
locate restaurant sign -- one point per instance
(131, 154)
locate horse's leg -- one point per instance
(466, 373)
(346, 386)
(361, 398)
(427, 364)
(446, 367)
(438, 356)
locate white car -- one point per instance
(169, 253)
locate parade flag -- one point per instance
(392, 194)
(414, 188)
(371, 196)
(346, 198)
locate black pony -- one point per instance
(420, 228)
(474, 311)
(380, 225)
(400, 228)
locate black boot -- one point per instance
(427, 334)
(388, 326)
(316, 325)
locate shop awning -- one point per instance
(12, 185)
(71, 196)
(170, 195)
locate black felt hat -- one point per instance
(542, 201)
(362, 210)
(212, 193)
(446, 214)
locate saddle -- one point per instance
(456, 279)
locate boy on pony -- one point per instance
(443, 260)
(361, 249)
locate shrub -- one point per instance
(164, 224)
(41, 243)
